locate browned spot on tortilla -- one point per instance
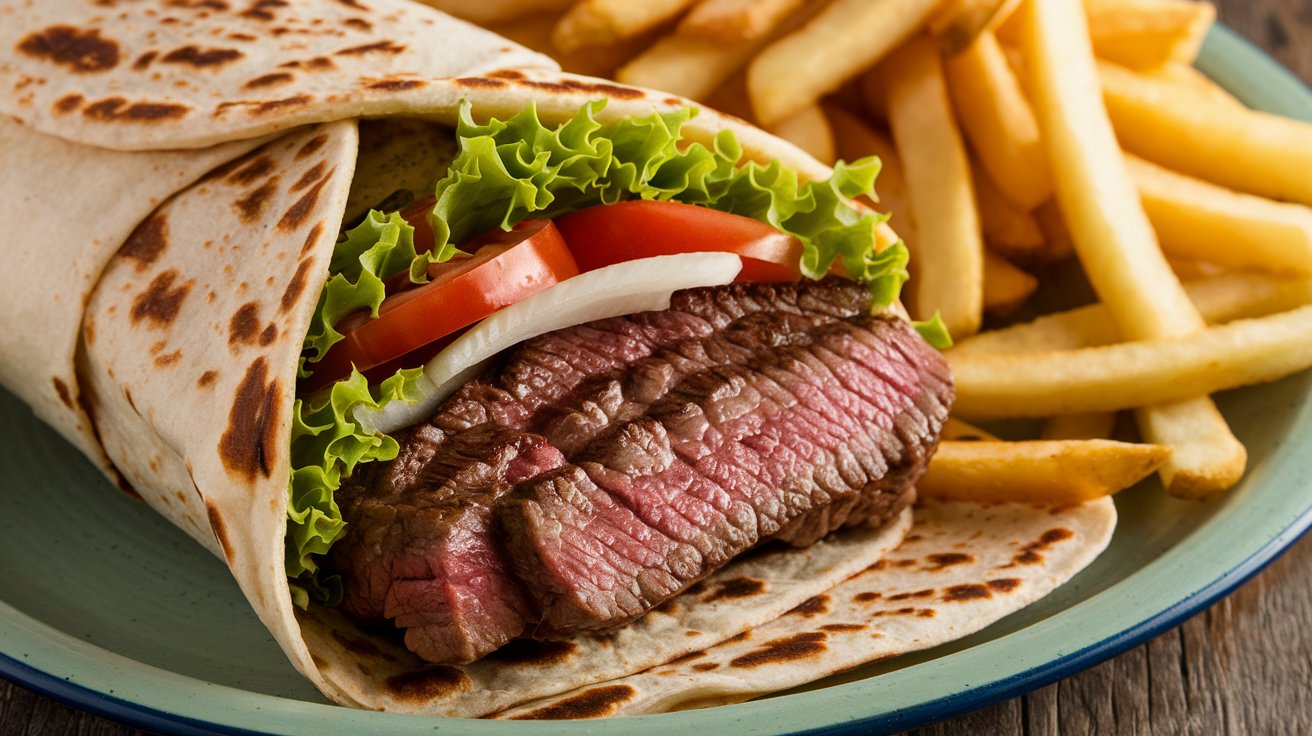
(164, 361)
(813, 606)
(143, 62)
(219, 528)
(947, 559)
(207, 379)
(250, 440)
(908, 611)
(867, 597)
(739, 587)
(692, 632)
(117, 108)
(877, 567)
(429, 684)
(249, 207)
(319, 662)
(89, 330)
(784, 649)
(913, 538)
(574, 85)
(269, 80)
(161, 301)
(68, 103)
(696, 588)
(1030, 553)
(147, 241)
(252, 170)
(902, 563)
(690, 656)
(354, 4)
(357, 644)
(396, 85)
(926, 613)
(244, 324)
(260, 108)
(844, 627)
(263, 9)
(1004, 585)
(296, 214)
(201, 58)
(674, 101)
(311, 175)
(594, 702)
(534, 652)
(311, 146)
(744, 636)
(928, 593)
(480, 82)
(668, 608)
(294, 287)
(506, 74)
(706, 666)
(79, 50)
(269, 334)
(379, 47)
(966, 592)
(358, 24)
(61, 388)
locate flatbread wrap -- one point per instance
(248, 159)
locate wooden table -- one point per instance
(1242, 667)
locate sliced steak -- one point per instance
(606, 467)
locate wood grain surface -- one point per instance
(1242, 667)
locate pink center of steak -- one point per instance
(606, 467)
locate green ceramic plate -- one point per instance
(106, 606)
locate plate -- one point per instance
(107, 607)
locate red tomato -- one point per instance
(505, 268)
(625, 231)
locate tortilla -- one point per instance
(184, 298)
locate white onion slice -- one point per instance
(625, 288)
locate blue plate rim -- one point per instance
(155, 720)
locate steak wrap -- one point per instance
(637, 464)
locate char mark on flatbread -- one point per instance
(604, 468)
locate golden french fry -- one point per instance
(1190, 132)
(998, 122)
(956, 429)
(735, 21)
(846, 37)
(1005, 286)
(957, 23)
(1202, 221)
(1187, 269)
(1057, 243)
(597, 61)
(1188, 76)
(1133, 374)
(1007, 230)
(1219, 299)
(1042, 471)
(1147, 34)
(598, 22)
(485, 12)
(1093, 426)
(854, 140)
(1113, 237)
(948, 251)
(809, 130)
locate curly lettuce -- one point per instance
(508, 171)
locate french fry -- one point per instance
(1094, 426)
(809, 130)
(998, 122)
(1115, 241)
(955, 429)
(1219, 299)
(1005, 286)
(1133, 374)
(599, 22)
(1198, 220)
(1147, 34)
(1042, 471)
(1188, 76)
(854, 140)
(846, 37)
(1011, 232)
(948, 251)
(957, 23)
(597, 61)
(485, 12)
(1184, 130)
(1187, 269)
(1057, 243)
(735, 21)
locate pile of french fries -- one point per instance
(1015, 135)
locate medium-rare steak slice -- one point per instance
(630, 457)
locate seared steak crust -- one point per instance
(606, 467)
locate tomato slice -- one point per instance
(625, 231)
(505, 267)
